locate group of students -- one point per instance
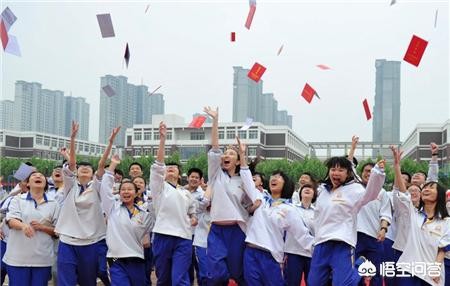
(119, 229)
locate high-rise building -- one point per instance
(386, 111)
(7, 114)
(77, 110)
(130, 105)
(250, 101)
(48, 111)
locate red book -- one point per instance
(367, 109)
(308, 93)
(256, 72)
(233, 36)
(197, 122)
(4, 35)
(250, 15)
(415, 50)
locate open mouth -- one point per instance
(38, 181)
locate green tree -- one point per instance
(199, 161)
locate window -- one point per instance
(86, 148)
(147, 135)
(169, 135)
(221, 134)
(38, 140)
(46, 141)
(253, 134)
(156, 136)
(252, 152)
(54, 143)
(231, 134)
(137, 136)
(92, 149)
(137, 152)
(61, 143)
(197, 135)
(242, 134)
(167, 152)
(155, 151)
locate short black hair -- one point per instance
(408, 175)
(371, 164)
(309, 186)
(288, 187)
(423, 173)
(57, 167)
(134, 164)
(195, 170)
(118, 171)
(174, 164)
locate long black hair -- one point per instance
(288, 187)
(341, 162)
(440, 210)
(314, 187)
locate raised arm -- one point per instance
(72, 154)
(246, 175)
(351, 153)
(374, 186)
(215, 154)
(106, 189)
(102, 162)
(158, 168)
(398, 181)
(214, 114)
(433, 167)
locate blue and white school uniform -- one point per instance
(335, 229)
(368, 225)
(82, 231)
(29, 260)
(226, 239)
(124, 234)
(267, 228)
(200, 243)
(389, 253)
(172, 242)
(425, 238)
(197, 195)
(298, 258)
(4, 207)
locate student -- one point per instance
(305, 178)
(194, 177)
(259, 180)
(135, 170)
(81, 224)
(31, 218)
(175, 214)
(372, 222)
(298, 258)
(226, 238)
(428, 230)
(339, 200)
(126, 228)
(270, 223)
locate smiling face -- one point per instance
(37, 181)
(140, 183)
(258, 181)
(307, 193)
(127, 193)
(365, 174)
(276, 184)
(418, 179)
(338, 175)
(230, 160)
(429, 193)
(57, 175)
(194, 180)
(304, 179)
(85, 172)
(414, 191)
(135, 171)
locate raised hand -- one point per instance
(397, 154)
(115, 159)
(211, 112)
(381, 163)
(162, 130)
(114, 132)
(74, 131)
(65, 153)
(355, 141)
(434, 148)
(242, 146)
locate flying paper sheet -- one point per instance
(105, 24)
(308, 93)
(23, 172)
(435, 18)
(250, 15)
(109, 90)
(393, 2)
(415, 50)
(279, 50)
(3, 34)
(13, 46)
(248, 123)
(127, 55)
(256, 72)
(367, 109)
(197, 122)
(8, 17)
(146, 9)
(323, 67)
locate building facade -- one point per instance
(268, 142)
(28, 144)
(130, 105)
(7, 114)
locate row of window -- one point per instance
(79, 146)
(200, 135)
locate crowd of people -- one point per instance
(82, 223)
